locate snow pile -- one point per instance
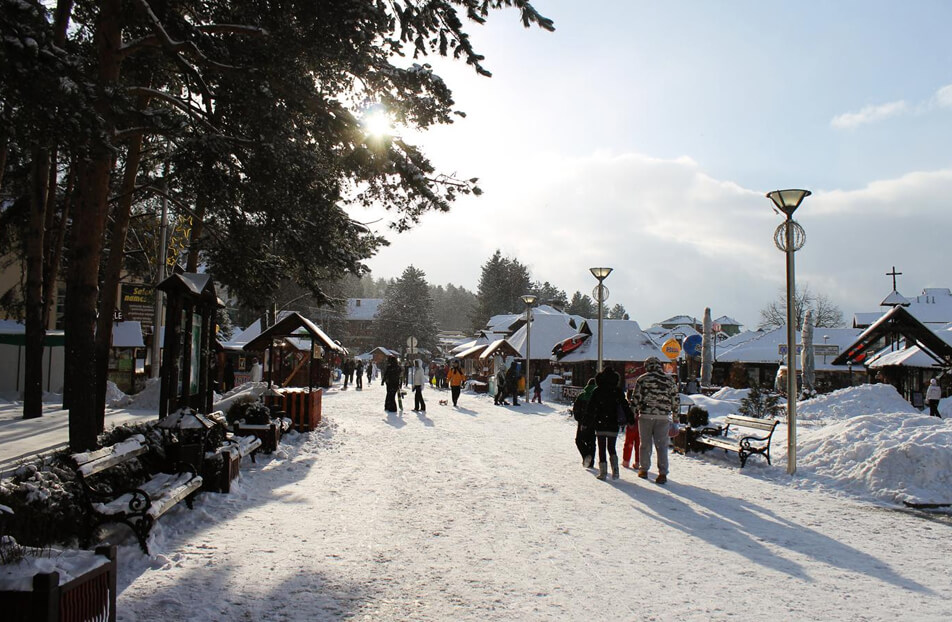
(719, 407)
(731, 394)
(69, 563)
(248, 388)
(148, 398)
(115, 397)
(867, 399)
(891, 457)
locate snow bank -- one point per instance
(115, 397)
(867, 399)
(69, 563)
(730, 393)
(891, 457)
(248, 388)
(148, 398)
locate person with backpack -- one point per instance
(585, 434)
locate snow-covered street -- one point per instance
(485, 513)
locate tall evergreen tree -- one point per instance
(502, 284)
(582, 305)
(453, 307)
(258, 106)
(407, 311)
(617, 312)
(551, 295)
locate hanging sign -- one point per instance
(671, 348)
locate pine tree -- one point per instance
(502, 284)
(406, 311)
(582, 305)
(760, 403)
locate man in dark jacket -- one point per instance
(585, 434)
(391, 378)
(512, 382)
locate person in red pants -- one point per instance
(632, 439)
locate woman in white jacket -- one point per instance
(419, 379)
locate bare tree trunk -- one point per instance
(87, 237)
(113, 271)
(33, 298)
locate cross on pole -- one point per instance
(894, 274)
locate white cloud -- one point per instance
(680, 240)
(869, 114)
(943, 97)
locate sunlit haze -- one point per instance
(644, 135)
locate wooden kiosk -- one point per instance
(295, 346)
(189, 343)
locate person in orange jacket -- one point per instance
(456, 378)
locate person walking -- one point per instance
(347, 370)
(632, 442)
(419, 379)
(603, 413)
(256, 371)
(500, 388)
(359, 375)
(512, 383)
(370, 372)
(585, 434)
(655, 399)
(456, 378)
(933, 395)
(536, 390)
(391, 378)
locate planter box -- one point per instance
(220, 469)
(269, 434)
(302, 406)
(87, 597)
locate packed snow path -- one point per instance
(485, 513)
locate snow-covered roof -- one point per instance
(678, 319)
(127, 335)
(726, 320)
(894, 298)
(913, 356)
(362, 308)
(865, 320)
(661, 334)
(547, 330)
(764, 346)
(622, 340)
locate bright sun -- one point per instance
(377, 123)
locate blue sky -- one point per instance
(643, 136)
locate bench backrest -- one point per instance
(751, 422)
(92, 462)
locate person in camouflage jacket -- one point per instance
(655, 399)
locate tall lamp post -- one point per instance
(601, 294)
(789, 237)
(529, 299)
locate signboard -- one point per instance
(137, 303)
(692, 345)
(671, 348)
(819, 349)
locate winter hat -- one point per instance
(652, 364)
(932, 381)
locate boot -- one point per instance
(614, 460)
(661, 479)
(602, 470)
(588, 461)
(642, 474)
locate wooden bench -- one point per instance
(138, 508)
(745, 445)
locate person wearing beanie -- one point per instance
(603, 413)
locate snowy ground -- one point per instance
(485, 513)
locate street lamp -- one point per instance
(601, 294)
(529, 299)
(789, 238)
